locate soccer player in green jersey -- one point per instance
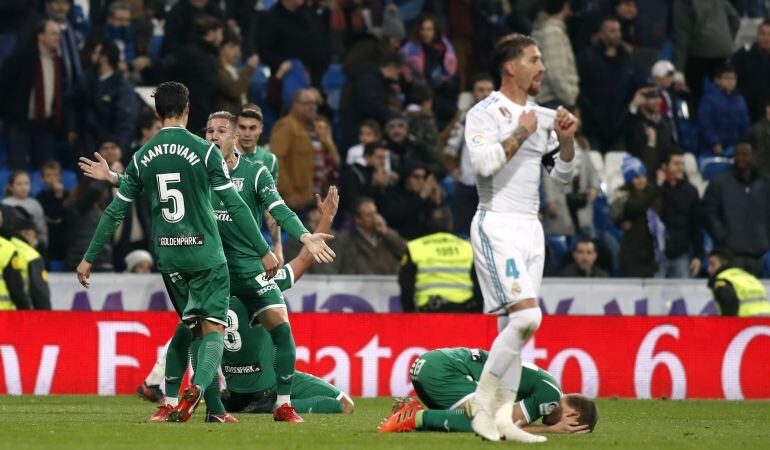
(178, 171)
(445, 381)
(250, 124)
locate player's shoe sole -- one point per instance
(152, 394)
(220, 418)
(191, 398)
(286, 413)
(161, 414)
(402, 420)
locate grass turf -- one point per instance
(118, 422)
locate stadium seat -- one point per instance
(35, 183)
(613, 162)
(4, 175)
(560, 247)
(155, 44)
(693, 174)
(69, 179)
(7, 44)
(714, 165)
(765, 266)
(332, 83)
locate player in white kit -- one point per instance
(509, 138)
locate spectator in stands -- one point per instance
(736, 292)
(752, 64)
(457, 160)
(118, 29)
(376, 46)
(177, 31)
(760, 139)
(326, 158)
(681, 213)
(635, 212)
(368, 131)
(17, 194)
(606, 87)
(299, 150)
(649, 134)
(737, 208)
(58, 11)
(370, 179)
(293, 30)
(722, 115)
(560, 85)
(105, 100)
(369, 94)
(34, 105)
(139, 262)
(703, 37)
(429, 58)
(292, 247)
(584, 259)
(52, 201)
(673, 94)
(436, 273)
(408, 207)
(371, 248)
(149, 125)
(233, 83)
(404, 147)
(109, 149)
(490, 23)
(195, 66)
(420, 117)
(82, 211)
(459, 14)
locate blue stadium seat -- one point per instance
(155, 43)
(69, 179)
(4, 175)
(7, 44)
(332, 83)
(36, 183)
(57, 265)
(558, 243)
(712, 166)
(766, 265)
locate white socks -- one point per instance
(281, 399)
(505, 356)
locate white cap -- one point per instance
(662, 68)
(135, 257)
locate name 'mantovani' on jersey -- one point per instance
(514, 187)
(177, 170)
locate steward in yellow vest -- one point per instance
(436, 271)
(736, 292)
(12, 295)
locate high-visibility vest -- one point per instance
(7, 256)
(27, 254)
(750, 292)
(443, 268)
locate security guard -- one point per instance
(437, 273)
(12, 295)
(20, 229)
(736, 292)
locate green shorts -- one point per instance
(438, 383)
(305, 386)
(257, 294)
(203, 294)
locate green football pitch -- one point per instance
(84, 422)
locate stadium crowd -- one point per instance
(371, 96)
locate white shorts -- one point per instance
(509, 253)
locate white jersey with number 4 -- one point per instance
(508, 186)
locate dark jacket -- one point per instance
(283, 35)
(753, 68)
(81, 217)
(366, 95)
(722, 119)
(357, 182)
(178, 29)
(606, 87)
(54, 215)
(681, 213)
(637, 255)
(196, 67)
(406, 212)
(636, 140)
(760, 138)
(738, 213)
(358, 256)
(574, 271)
(107, 107)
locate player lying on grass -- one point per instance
(445, 381)
(248, 279)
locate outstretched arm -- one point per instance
(328, 208)
(99, 170)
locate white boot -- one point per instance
(481, 407)
(504, 421)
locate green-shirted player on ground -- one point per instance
(178, 171)
(250, 125)
(445, 380)
(258, 292)
(247, 360)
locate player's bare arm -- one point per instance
(328, 208)
(565, 126)
(98, 170)
(527, 126)
(275, 237)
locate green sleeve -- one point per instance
(269, 196)
(121, 177)
(542, 402)
(239, 212)
(274, 168)
(130, 187)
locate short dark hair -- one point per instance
(171, 98)
(41, 24)
(674, 151)
(723, 69)
(360, 202)
(420, 92)
(584, 240)
(372, 147)
(481, 76)
(508, 48)
(115, 6)
(586, 407)
(146, 119)
(440, 221)
(745, 140)
(109, 138)
(391, 59)
(231, 37)
(369, 123)
(722, 253)
(51, 164)
(765, 23)
(552, 7)
(251, 111)
(204, 24)
(111, 51)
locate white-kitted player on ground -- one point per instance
(509, 138)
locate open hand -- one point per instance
(98, 170)
(330, 204)
(316, 245)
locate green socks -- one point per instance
(209, 357)
(443, 420)
(176, 359)
(317, 405)
(285, 358)
(211, 395)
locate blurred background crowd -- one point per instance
(371, 96)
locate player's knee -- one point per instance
(525, 322)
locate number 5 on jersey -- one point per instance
(167, 194)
